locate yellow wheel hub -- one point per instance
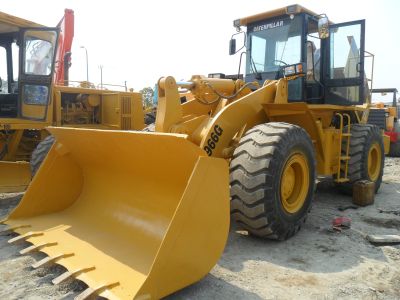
(374, 161)
(295, 183)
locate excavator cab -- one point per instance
(289, 36)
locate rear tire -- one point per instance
(40, 152)
(149, 118)
(272, 176)
(367, 156)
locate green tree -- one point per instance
(147, 96)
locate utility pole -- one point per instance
(87, 64)
(101, 76)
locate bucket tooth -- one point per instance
(85, 294)
(36, 247)
(24, 237)
(91, 291)
(64, 276)
(49, 259)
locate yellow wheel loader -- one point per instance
(386, 117)
(143, 214)
(35, 93)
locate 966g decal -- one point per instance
(213, 140)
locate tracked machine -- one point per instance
(143, 214)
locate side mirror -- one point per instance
(232, 47)
(323, 27)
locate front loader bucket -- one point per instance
(14, 176)
(132, 214)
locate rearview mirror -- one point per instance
(232, 47)
(323, 27)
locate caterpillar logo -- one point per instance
(268, 26)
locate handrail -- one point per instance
(90, 85)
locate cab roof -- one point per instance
(9, 23)
(390, 90)
(287, 10)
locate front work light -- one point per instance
(293, 70)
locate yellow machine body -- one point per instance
(387, 118)
(23, 122)
(85, 108)
(140, 223)
(91, 108)
(137, 214)
(235, 116)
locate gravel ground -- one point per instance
(315, 264)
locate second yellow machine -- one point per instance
(35, 93)
(143, 214)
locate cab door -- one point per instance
(36, 68)
(344, 73)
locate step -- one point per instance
(342, 180)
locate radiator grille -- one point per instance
(126, 113)
(377, 117)
(126, 105)
(126, 123)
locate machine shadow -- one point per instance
(212, 287)
(317, 248)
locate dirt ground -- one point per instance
(315, 264)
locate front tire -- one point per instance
(40, 152)
(273, 180)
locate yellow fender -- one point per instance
(132, 214)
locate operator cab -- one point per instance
(25, 75)
(332, 55)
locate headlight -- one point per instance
(292, 70)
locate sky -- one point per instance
(141, 41)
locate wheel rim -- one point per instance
(374, 161)
(295, 183)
